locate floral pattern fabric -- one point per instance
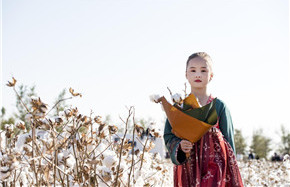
(211, 162)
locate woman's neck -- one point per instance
(201, 94)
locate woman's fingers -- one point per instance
(186, 146)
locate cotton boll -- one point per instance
(106, 173)
(21, 140)
(28, 148)
(69, 150)
(91, 147)
(176, 98)
(123, 166)
(70, 161)
(56, 119)
(74, 185)
(60, 156)
(110, 158)
(43, 135)
(106, 131)
(5, 158)
(4, 169)
(9, 127)
(44, 121)
(286, 157)
(28, 117)
(63, 136)
(138, 175)
(68, 127)
(3, 139)
(100, 148)
(61, 114)
(15, 165)
(139, 182)
(6, 126)
(60, 174)
(154, 98)
(5, 175)
(23, 178)
(101, 184)
(152, 125)
(20, 124)
(110, 161)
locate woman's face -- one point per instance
(198, 73)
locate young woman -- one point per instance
(211, 160)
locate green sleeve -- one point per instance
(172, 144)
(226, 124)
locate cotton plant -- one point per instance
(177, 98)
(73, 149)
(265, 173)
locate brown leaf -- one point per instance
(73, 93)
(46, 173)
(21, 126)
(137, 152)
(127, 146)
(158, 168)
(102, 135)
(102, 125)
(107, 177)
(95, 161)
(97, 119)
(75, 111)
(84, 119)
(12, 84)
(157, 135)
(58, 120)
(79, 146)
(113, 129)
(139, 129)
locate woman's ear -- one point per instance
(211, 76)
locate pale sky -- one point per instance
(118, 52)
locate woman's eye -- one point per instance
(203, 71)
(192, 71)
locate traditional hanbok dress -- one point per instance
(212, 160)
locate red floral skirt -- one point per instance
(211, 162)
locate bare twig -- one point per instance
(33, 153)
(122, 143)
(133, 150)
(185, 90)
(21, 100)
(55, 158)
(102, 179)
(45, 158)
(140, 141)
(142, 157)
(58, 103)
(74, 142)
(103, 150)
(169, 91)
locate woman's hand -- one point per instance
(186, 146)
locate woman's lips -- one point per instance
(197, 81)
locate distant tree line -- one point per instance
(260, 144)
(25, 94)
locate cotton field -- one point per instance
(73, 149)
(77, 150)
